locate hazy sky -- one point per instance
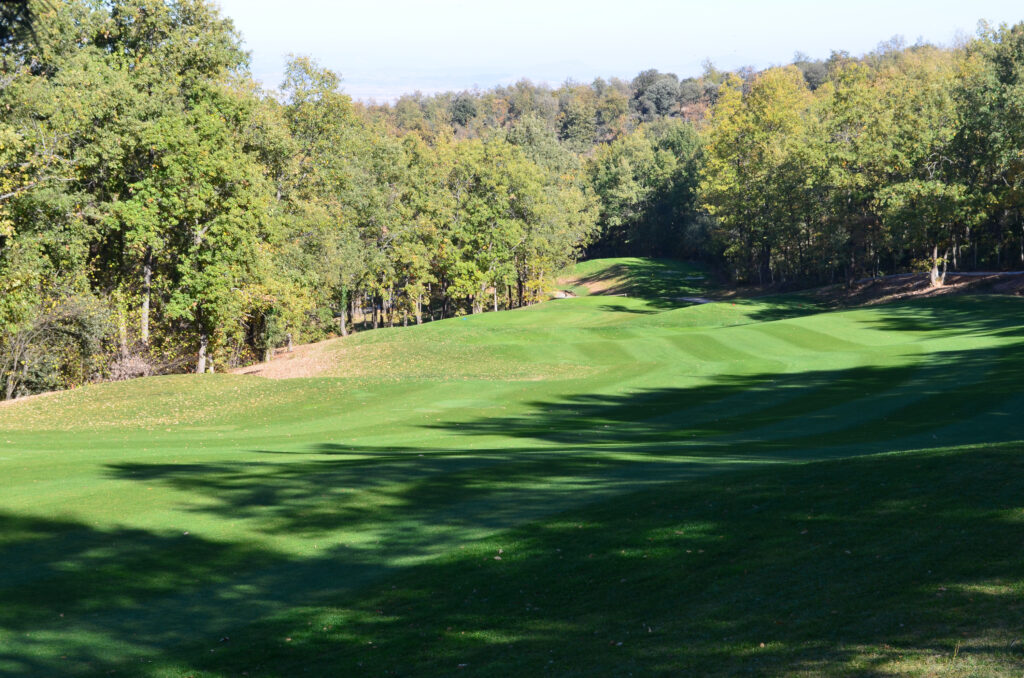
(384, 48)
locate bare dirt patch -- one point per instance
(871, 291)
(306, 360)
(595, 285)
(434, 358)
(885, 289)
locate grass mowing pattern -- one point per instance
(689, 481)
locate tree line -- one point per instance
(160, 211)
(908, 159)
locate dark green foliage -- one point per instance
(139, 160)
(218, 222)
(59, 345)
(655, 94)
(691, 91)
(815, 72)
(907, 159)
(647, 183)
(463, 109)
(16, 18)
(576, 124)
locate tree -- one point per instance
(815, 72)
(756, 159)
(987, 145)
(463, 109)
(655, 93)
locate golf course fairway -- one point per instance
(597, 486)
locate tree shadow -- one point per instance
(837, 568)
(976, 314)
(780, 307)
(955, 397)
(620, 308)
(394, 496)
(78, 600)
(726, 567)
(660, 282)
(587, 446)
(72, 596)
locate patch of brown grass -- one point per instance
(306, 360)
(597, 286)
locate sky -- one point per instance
(386, 48)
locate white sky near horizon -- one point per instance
(385, 49)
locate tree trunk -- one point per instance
(122, 329)
(478, 300)
(938, 279)
(495, 297)
(204, 342)
(419, 311)
(24, 372)
(147, 287)
(343, 320)
(520, 285)
(288, 338)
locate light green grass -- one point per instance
(684, 479)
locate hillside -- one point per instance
(750, 486)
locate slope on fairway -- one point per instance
(143, 523)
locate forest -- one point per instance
(160, 211)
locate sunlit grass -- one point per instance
(521, 492)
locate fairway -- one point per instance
(601, 485)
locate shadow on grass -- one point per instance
(74, 596)
(620, 308)
(584, 447)
(837, 568)
(986, 315)
(691, 572)
(660, 282)
(781, 307)
(955, 397)
(979, 314)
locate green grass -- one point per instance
(752, 488)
